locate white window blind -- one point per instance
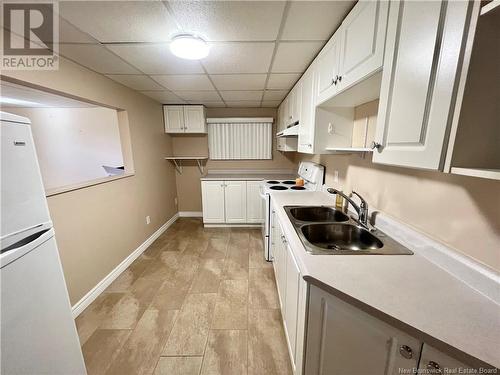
(240, 138)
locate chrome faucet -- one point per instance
(361, 210)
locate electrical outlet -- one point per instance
(336, 176)
(148, 220)
(175, 201)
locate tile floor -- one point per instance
(197, 301)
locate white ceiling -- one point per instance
(259, 49)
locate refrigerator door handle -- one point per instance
(28, 244)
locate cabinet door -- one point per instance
(254, 202)
(306, 124)
(434, 360)
(342, 339)
(287, 110)
(423, 50)
(363, 39)
(292, 290)
(297, 102)
(236, 201)
(194, 119)
(212, 193)
(281, 266)
(174, 118)
(328, 68)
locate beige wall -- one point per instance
(98, 227)
(462, 212)
(188, 184)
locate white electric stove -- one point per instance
(313, 175)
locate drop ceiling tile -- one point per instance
(241, 95)
(282, 81)
(239, 81)
(243, 104)
(136, 81)
(230, 20)
(295, 57)
(97, 58)
(155, 59)
(271, 103)
(230, 58)
(314, 20)
(209, 104)
(166, 97)
(271, 95)
(198, 82)
(199, 96)
(70, 34)
(121, 21)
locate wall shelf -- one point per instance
(489, 7)
(177, 160)
(349, 149)
(493, 174)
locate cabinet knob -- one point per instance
(434, 368)
(406, 351)
(340, 78)
(335, 80)
(375, 145)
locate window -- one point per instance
(240, 138)
(77, 143)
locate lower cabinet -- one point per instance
(231, 202)
(292, 292)
(342, 339)
(235, 201)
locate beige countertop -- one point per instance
(407, 289)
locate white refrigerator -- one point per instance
(37, 331)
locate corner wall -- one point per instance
(97, 227)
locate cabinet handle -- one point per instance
(283, 239)
(375, 145)
(434, 368)
(335, 80)
(340, 78)
(406, 351)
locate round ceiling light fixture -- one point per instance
(190, 47)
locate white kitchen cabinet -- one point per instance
(184, 119)
(435, 360)
(213, 201)
(174, 118)
(254, 203)
(297, 102)
(307, 115)
(363, 34)
(235, 201)
(421, 63)
(342, 339)
(292, 293)
(328, 69)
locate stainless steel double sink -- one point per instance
(324, 230)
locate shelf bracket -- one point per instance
(200, 165)
(178, 166)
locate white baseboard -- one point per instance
(232, 225)
(190, 214)
(104, 283)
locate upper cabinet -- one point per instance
(184, 119)
(363, 34)
(421, 65)
(306, 123)
(355, 51)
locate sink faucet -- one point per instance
(361, 210)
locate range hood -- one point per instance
(291, 130)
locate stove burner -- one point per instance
(278, 187)
(298, 188)
(273, 182)
(288, 182)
